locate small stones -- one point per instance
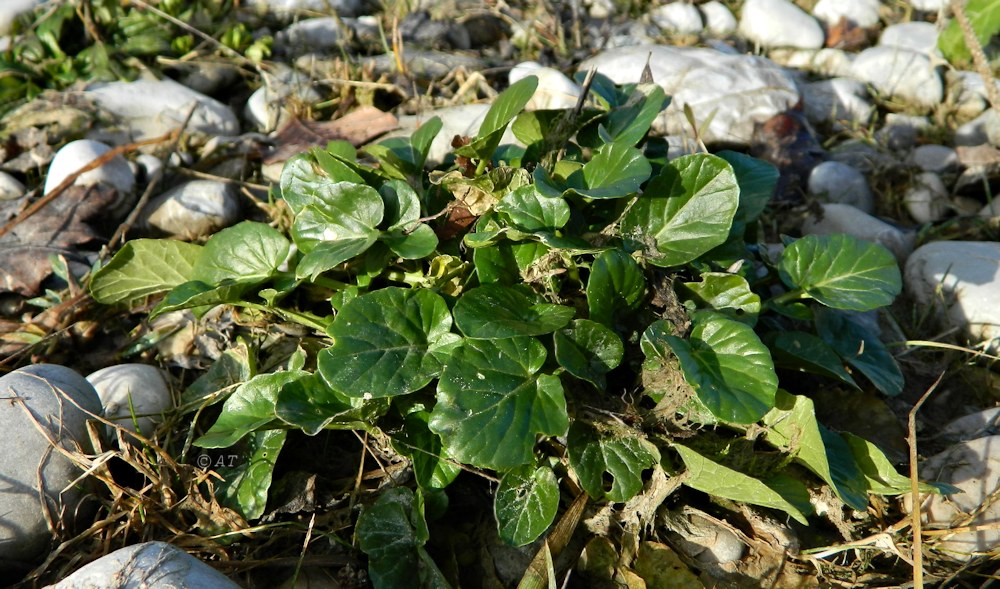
(10, 187)
(133, 395)
(312, 34)
(982, 130)
(839, 183)
(900, 74)
(75, 155)
(863, 13)
(934, 158)
(150, 564)
(960, 280)
(779, 23)
(926, 198)
(57, 400)
(194, 209)
(267, 108)
(677, 17)
(718, 19)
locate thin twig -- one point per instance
(911, 438)
(978, 57)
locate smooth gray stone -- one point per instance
(718, 19)
(133, 395)
(156, 565)
(901, 74)
(677, 17)
(779, 23)
(77, 154)
(918, 36)
(863, 13)
(840, 183)
(194, 209)
(840, 218)
(926, 199)
(57, 400)
(10, 187)
(840, 102)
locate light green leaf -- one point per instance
(588, 350)
(861, 349)
(310, 405)
(530, 211)
(250, 407)
(338, 224)
(386, 343)
(505, 107)
(882, 476)
(728, 294)
(248, 253)
(805, 352)
(717, 480)
(629, 123)
(412, 244)
(728, 367)
(792, 427)
(984, 19)
(392, 532)
(494, 312)
(685, 211)
(621, 454)
(841, 271)
(244, 485)
(526, 504)
(144, 267)
(195, 294)
(491, 402)
(616, 286)
(617, 170)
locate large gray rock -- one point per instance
(961, 280)
(194, 209)
(779, 23)
(76, 154)
(134, 396)
(153, 564)
(718, 19)
(836, 182)
(555, 90)
(150, 108)
(735, 91)
(901, 74)
(41, 406)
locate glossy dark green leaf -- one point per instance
(798, 350)
(630, 122)
(340, 223)
(718, 480)
(392, 532)
(609, 462)
(728, 294)
(531, 211)
(685, 211)
(617, 170)
(493, 312)
(526, 504)
(195, 294)
(432, 467)
(506, 261)
(727, 365)
(491, 402)
(757, 179)
(387, 343)
(414, 244)
(401, 205)
(250, 407)
(310, 405)
(841, 271)
(505, 107)
(246, 478)
(588, 350)
(792, 427)
(616, 286)
(860, 348)
(248, 252)
(143, 267)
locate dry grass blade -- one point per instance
(911, 438)
(538, 575)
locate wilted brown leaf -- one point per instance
(357, 127)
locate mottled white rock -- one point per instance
(134, 396)
(863, 13)
(967, 92)
(267, 108)
(150, 164)
(915, 35)
(312, 34)
(57, 400)
(779, 23)
(840, 218)
(832, 63)
(735, 91)
(975, 425)
(76, 154)
(289, 7)
(151, 108)
(456, 120)
(901, 74)
(961, 280)
(555, 90)
(839, 102)
(677, 17)
(718, 19)
(835, 182)
(926, 198)
(10, 187)
(982, 130)
(934, 158)
(151, 564)
(194, 209)
(973, 467)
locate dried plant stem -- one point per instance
(978, 56)
(911, 438)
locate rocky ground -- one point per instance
(876, 135)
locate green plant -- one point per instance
(579, 308)
(984, 22)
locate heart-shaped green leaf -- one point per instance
(588, 350)
(803, 351)
(144, 267)
(530, 211)
(250, 407)
(757, 179)
(860, 348)
(248, 253)
(432, 467)
(619, 453)
(386, 343)
(728, 367)
(494, 312)
(491, 402)
(685, 211)
(338, 224)
(309, 404)
(246, 476)
(841, 271)
(616, 286)
(617, 170)
(505, 107)
(728, 294)
(526, 504)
